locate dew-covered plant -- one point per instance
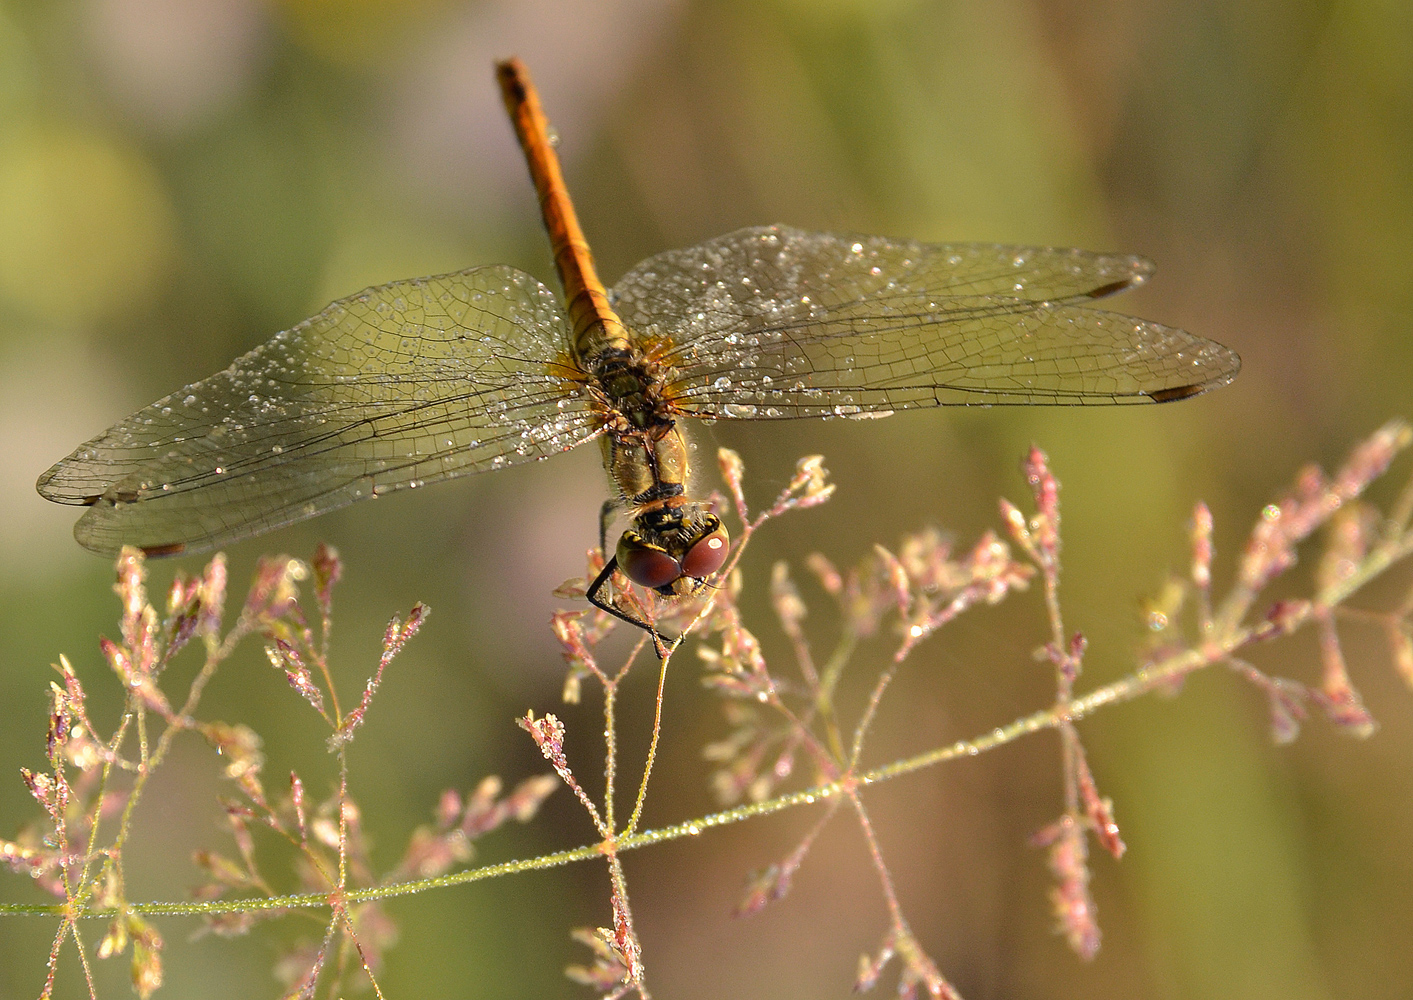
(784, 745)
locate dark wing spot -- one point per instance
(1110, 288)
(170, 549)
(1177, 392)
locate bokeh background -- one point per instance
(181, 178)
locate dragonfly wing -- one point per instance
(774, 322)
(401, 385)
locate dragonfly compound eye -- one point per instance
(706, 554)
(646, 566)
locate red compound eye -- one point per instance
(646, 566)
(707, 554)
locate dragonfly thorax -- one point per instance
(629, 387)
(647, 467)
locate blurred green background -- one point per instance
(181, 178)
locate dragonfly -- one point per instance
(418, 381)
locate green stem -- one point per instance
(1128, 688)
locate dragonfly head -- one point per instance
(673, 547)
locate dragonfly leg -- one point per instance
(600, 582)
(606, 514)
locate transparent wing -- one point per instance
(401, 385)
(773, 322)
